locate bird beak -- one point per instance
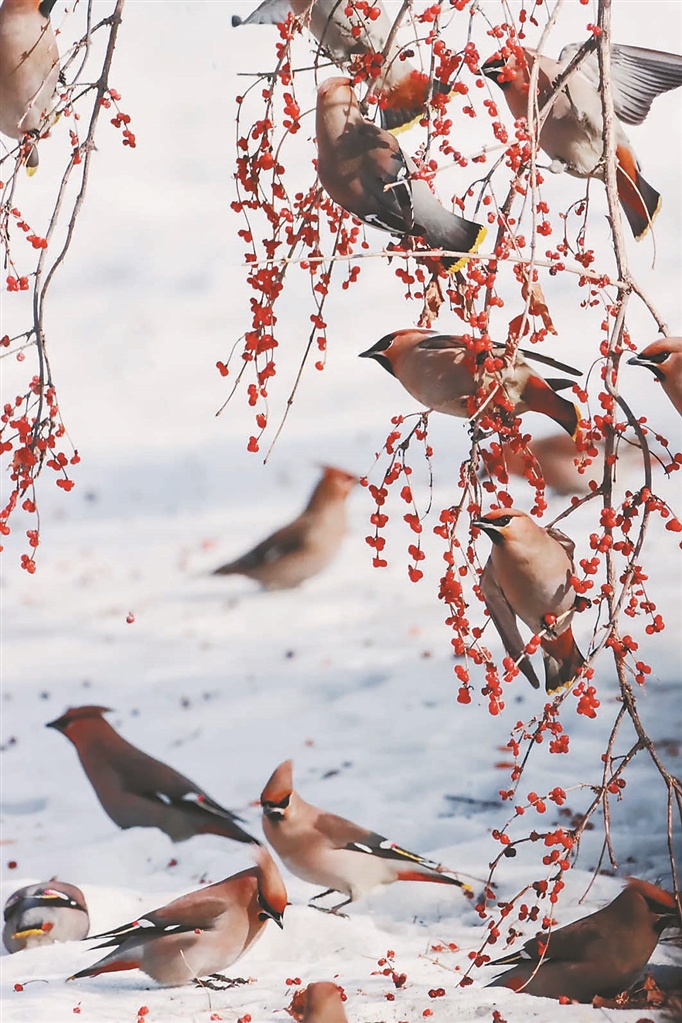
(369, 354)
(636, 361)
(57, 724)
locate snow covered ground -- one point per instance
(351, 676)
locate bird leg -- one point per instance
(321, 895)
(334, 910)
(219, 982)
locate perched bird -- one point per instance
(324, 849)
(323, 1003)
(528, 575)
(664, 359)
(365, 171)
(441, 372)
(602, 954)
(573, 133)
(43, 913)
(305, 546)
(136, 790)
(29, 69)
(401, 89)
(201, 933)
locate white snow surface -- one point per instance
(351, 675)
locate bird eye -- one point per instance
(659, 357)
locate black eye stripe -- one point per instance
(282, 805)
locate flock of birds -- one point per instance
(365, 171)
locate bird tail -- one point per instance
(639, 200)
(113, 963)
(563, 660)
(456, 234)
(406, 99)
(540, 397)
(227, 829)
(234, 568)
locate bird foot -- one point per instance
(333, 911)
(219, 982)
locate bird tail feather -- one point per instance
(563, 660)
(405, 102)
(640, 201)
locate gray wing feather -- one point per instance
(270, 12)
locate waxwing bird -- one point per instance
(324, 849)
(364, 170)
(41, 914)
(199, 934)
(345, 33)
(602, 954)
(305, 546)
(323, 1004)
(441, 372)
(528, 576)
(572, 134)
(29, 69)
(664, 359)
(136, 790)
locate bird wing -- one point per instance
(638, 76)
(343, 834)
(504, 620)
(442, 343)
(565, 541)
(387, 178)
(270, 12)
(572, 943)
(547, 360)
(284, 541)
(196, 911)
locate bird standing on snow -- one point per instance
(136, 790)
(323, 1003)
(324, 849)
(573, 133)
(441, 372)
(528, 575)
(343, 34)
(664, 359)
(305, 546)
(41, 914)
(200, 934)
(365, 171)
(29, 69)
(602, 954)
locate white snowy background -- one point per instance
(351, 675)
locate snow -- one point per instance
(351, 675)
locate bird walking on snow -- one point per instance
(573, 133)
(344, 33)
(29, 69)
(602, 954)
(364, 170)
(136, 790)
(446, 375)
(327, 850)
(305, 546)
(323, 1003)
(528, 575)
(664, 358)
(199, 934)
(41, 914)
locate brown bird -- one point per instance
(528, 575)
(199, 934)
(323, 1003)
(572, 135)
(441, 372)
(401, 89)
(324, 849)
(664, 358)
(305, 546)
(602, 954)
(364, 170)
(136, 790)
(43, 913)
(29, 70)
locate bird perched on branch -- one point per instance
(41, 914)
(573, 133)
(664, 358)
(528, 575)
(344, 33)
(199, 934)
(602, 954)
(29, 70)
(364, 170)
(136, 790)
(443, 373)
(322, 1003)
(324, 849)
(305, 546)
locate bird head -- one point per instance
(74, 714)
(658, 356)
(504, 67)
(276, 795)
(272, 895)
(501, 524)
(338, 482)
(392, 347)
(660, 903)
